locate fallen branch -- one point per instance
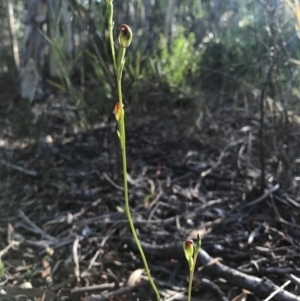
(278, 290)
(33, 227)
(117, 292)
(20, 169)
(262, 197)
(261, 287)
(93, 288)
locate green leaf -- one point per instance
(74, 62)
(56, 85)
(2, 269)
(198, 246)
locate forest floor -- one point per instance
(64, 234)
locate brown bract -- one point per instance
(189, 244)
(118, 111)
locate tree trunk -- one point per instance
(12, 31)
(33, 50)
(168, 20)
(34, 42)
(63, 37)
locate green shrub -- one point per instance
(180, 63)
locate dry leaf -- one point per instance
(241, 297)
(135, 277)
(10, 233)
(26, 285)
(46, 272)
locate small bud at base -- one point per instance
(118, 111)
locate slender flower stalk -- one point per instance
(124, 39)
(110, 9)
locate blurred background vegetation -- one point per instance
(188, 47)
(189, 55)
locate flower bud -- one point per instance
(125, 36)
(198, 245)
(119, 112)
(188, 247)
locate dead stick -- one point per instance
(117, 292)
(263, 287)
(27, 172)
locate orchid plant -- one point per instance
(124, 41)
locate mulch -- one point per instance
(63, 230)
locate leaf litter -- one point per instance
(62, 211)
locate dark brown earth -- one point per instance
(61, 201)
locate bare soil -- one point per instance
(62, 209)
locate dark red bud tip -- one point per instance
(125, 36)
(125, 29)
(189, 244)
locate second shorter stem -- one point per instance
(190, 284)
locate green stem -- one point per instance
(121, 60)
(118, 67)
(192, 267)
(127, 207)
(110, 32)
(191, 283)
